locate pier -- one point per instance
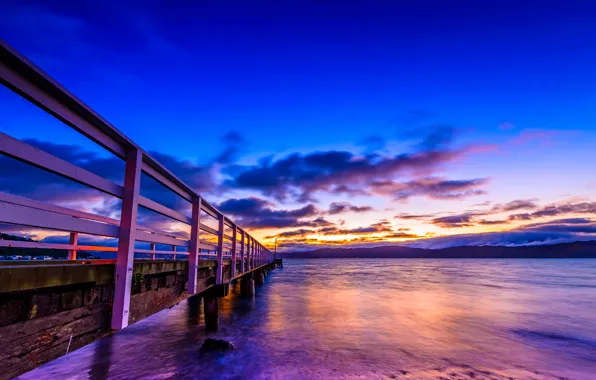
(48, 308)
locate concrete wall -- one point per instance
(44, 307)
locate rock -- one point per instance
(216, 345)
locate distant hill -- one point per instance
(583, 249)
(55, 253)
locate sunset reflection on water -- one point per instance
(414, 319)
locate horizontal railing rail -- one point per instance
(24, 78)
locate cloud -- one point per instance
(402, 235)
(234, 144)
(508, 238)
(255, 212)
(562, 221)
(440, 137)
(454, 221)
(557, 209)
(379, 227)
(413, 216)
(341, 207)
(293, 233)
(573, 225)
(298, 175)
(515, 205)
(318, 222)
(492, 222)
(471, 218)
(25, 180)
(431, 187)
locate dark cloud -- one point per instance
(340, 207)
(402, 235)
(293, 233)
(300, 175)
(234, 144)
(508, 238)
(492, 222)
(258, 213)
(562, 221)
(454, 221)
(557, 209)
(379, 227)
(413, 216)
(25, 180)
(318, 222)
(574, 228)
(572, 225)
(515, 205)
(431, 187)
(439, 137)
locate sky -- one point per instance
(326, 123)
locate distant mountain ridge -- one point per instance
(580, 249)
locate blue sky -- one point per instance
(507, 86)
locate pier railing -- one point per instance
(21, 76)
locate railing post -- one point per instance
(73, 240)
(153, 249)
(254, 253)
(247, 253)
(234, 237)
(219, 269)
(126, 238)
(250, 252)
(242, 269)
(174, 254)
(193, 249)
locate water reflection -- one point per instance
(371, 319)
(101, 362)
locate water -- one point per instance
(371, 319)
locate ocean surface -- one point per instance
(370, 319)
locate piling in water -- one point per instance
(247, 287)
(211, 311)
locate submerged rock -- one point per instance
(216, 345)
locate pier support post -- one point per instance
(247, 287)
(259, 277)
(211, 311)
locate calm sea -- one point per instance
(371, 319)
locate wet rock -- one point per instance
(216, 345)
